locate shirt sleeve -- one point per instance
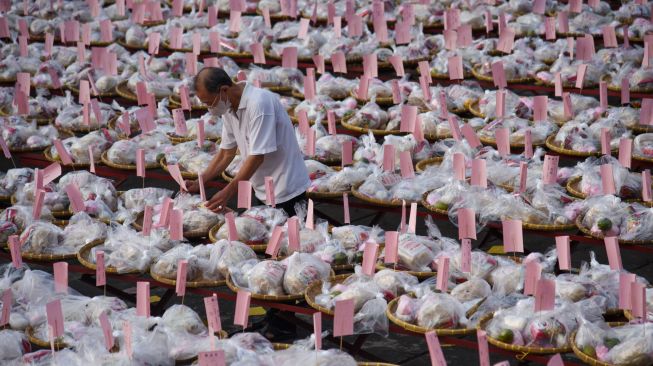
(228, 141)
(262, 130)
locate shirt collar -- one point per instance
(243, 97)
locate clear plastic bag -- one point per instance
(249, 230)
(227, 254)
(303, 269)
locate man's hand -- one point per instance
(193, 186)
(218, 203)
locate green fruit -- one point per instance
(611, 342)
(589, 350)
(604, 224)
(441, 206)
(340, 259)
(334, 294)
(358, 257)
(506, 336)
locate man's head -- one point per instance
(212, 86)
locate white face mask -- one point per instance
(220, 108)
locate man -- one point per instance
(255, 123)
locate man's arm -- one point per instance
(218, 164)
(219, 200)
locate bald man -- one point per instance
(255, 123)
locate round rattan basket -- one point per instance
(83, 256)
(421, 275)
(111, 164)
(588, 232)
(318, 195)
(184, 174)
(282, 298)
(644, 159)
(176, 102)
(75, 90)
(381, 101)
(192, 284)
(124, 44)
(315, 289)
(49, 157)
(480, 76)
(583, 356)
(573, 187)
(228, 178)
(344, 122)
(432, 208)
(493, 142)
(395, 203)
(58, 343)
(124, 91)
(473, 107)
(44, 257)
(196, 234)
(482, 324)
(555, 147)
(422, 165)
(59, 214)
(256, 246)
(392, 309)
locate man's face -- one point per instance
(207, 98)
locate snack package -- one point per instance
(226, 254)
(301, 270)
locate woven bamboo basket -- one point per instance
(49, 157)
(59, 214)
(319, 195)
(638, 129)
(282, 298)
(547, 227)
(192, 284)
(123, 43)
(83, 256)
(392, 309)
(275, 17)
(324, 121)
(75, 90)
(256, 246)
(422, 165)
(555, 147)
(493, 142)
(573, 187)
(644, 159)
(176, 102)
(111, 164)
(40, 121)
(123, 91)
(588, 232)
(228, 178)
(432, 208)
(436, 75)
(300, 59)
(167, 46)
(421, 275)
(232, 54)
(583, 356)
(184, 173)
(59, 344)
(196, 234)
(375, 364)
(482, 324)
(480, 76)
(315, 289)
(473, 108)
(364, 130)
(383, 101)
(395, 203)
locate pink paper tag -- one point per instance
(318, 60)
(455, 67)
(303, 28)
(389, 158)
(470, 135)
(274, 242)
(539, 6)
(563, 22)
(310, 223)
(244, 194)
(176, 226)
(506, 40)
(550, 169)
(408, 116)
(55, 317)
(603, 95)
(370, 65)
(100, 270)
(7, 301)
(38, 204)
(391, 246)
(540, 105)
(369, 258)
(338, 62)
(4, 28)
(14, 249)
(483, 350)
(513, 236)
(545, 294)
(580, 75)
(293, 233)
(176, 175)
(523, 176)
(343, 318)
(625, 280)
(75, 197)
(459, 166)
(230, 221)
(196, 40)
(180, 122)
(269, 191)
(533, 272)
(406, 165)
(235, 21)
(499, 75)
(435, 351)
(563, 251)
(646, 185)
(212, 358)
(257, 53)
(317, 329)
(241, 316)
(575, 6)
(331, 122)
(479, 173)
(443, 274)
(213, 313)
(625, 91)
(638, 300)
(361, 92)
(143, 298)
(607, 179)
(106, 330)
(412, 218)
(345, 207)
(63, 153)
(466, 223)
(164, 215)
(5, 148)
(558, 84)
(489, 26)
(528, 144)
(140, 163)
(191, 63)
(646, 112)
(182, 269)
(502, 136)
(625, 151)
(289, 57)
(614, 255)
(347, 151)
(466, 255)
(398, 64)
(609, 37)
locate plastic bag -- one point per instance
(303, 269)
(266, 278)
(249, 230)
(226, 254)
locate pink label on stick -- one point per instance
(343, 318)
(241, 316)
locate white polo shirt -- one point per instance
(261, 126)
